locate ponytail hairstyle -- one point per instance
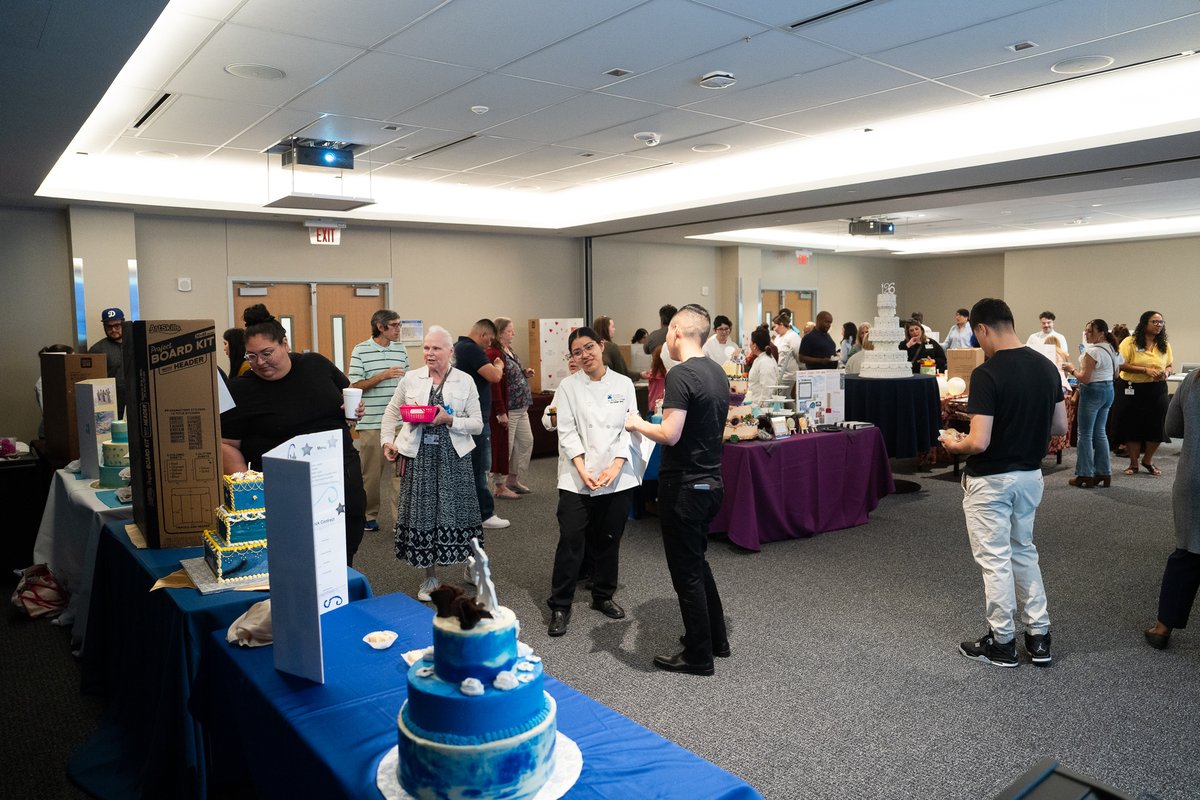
(1100, 326)
(259, 322)
(236, 338)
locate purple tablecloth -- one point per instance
(801, 486)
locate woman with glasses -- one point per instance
(1097, 366)
(720, 347)
(284, 395)
(595, 479)
(1143, 391)
(438, 511)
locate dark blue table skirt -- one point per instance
(907, 411)
(298, 739)
(143, 650)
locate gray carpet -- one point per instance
(845, 681)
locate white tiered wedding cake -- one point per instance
(887, 360)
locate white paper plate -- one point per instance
(568, 763)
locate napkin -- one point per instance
(252, 629)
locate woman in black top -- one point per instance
(284, 395)
(920, 346)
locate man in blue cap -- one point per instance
(110, 346)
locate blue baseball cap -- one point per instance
(112, 315)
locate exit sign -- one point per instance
(325, 236)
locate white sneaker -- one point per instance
(427, 586)
(493, 522)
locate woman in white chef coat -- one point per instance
(596, 478)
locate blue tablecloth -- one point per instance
(326, 741)
(143, 650)
(907, 411)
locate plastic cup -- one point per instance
(352, 398)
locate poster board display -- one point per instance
(548, 351)
(821, 396)
(60, 373)
(174, 428)
(95, 411)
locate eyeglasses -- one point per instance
(393, 325)
(724, 329)
(587, 348)
(264, 356)
(1158, 322)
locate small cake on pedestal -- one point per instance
(114, 456)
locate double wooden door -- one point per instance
(329, 318)
(800, 301)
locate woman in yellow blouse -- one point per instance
(1147, 363)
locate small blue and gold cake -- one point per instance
(477, 722)
(114, 456)
(237, 550)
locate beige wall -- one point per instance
(938, 287)
(632, 280)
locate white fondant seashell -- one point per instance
(533, 658)
(523, 650)
(471, 687)
(524, 677)
(380, 640)
(505, 681)
(424, 672)
(525, 666)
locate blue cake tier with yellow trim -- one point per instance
(234, 527)
(512, 768)
(235, 562)
(243, 491)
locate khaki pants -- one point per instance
(520, 444)
(379, 479)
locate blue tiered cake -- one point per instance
(237, 550)
(477, 722)
(114, 456)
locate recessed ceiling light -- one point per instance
(479, 109)
(718, 79)
(1081, 65)
(710, 147)
(255, 72)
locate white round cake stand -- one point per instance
(568, 763)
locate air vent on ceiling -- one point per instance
(1017, 47)
(617, 72)
(156, 108)
(827, 14)
(1186, 54)
(439, 148)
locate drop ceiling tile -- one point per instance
(539, 184)
(270, 131)
(304, 62)
(505, 97)
(381, 85)
(870, 111)
(671, 126)
(200, 120)
(574, 118)
(608, 168)
(778, 13)
(741, 138)
(544, 159)
(477, 179)
(361, 23)
(152, 67)
(213, 9)
(366, 132)
(420, 141)
(151, 148)
(499, 32)
(883, 26)
(405, 170)
(766, 57)
(850, 79)
(475, 153)
(640, 40)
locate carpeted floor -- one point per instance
(845, 681)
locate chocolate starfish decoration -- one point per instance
(468, 612)
(443, 598)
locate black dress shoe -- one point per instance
(676, 663)
(719, 652)
(609, 609)
(1158, 641)
(558, 621)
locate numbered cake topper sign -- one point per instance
(481, 573)
(887, 288)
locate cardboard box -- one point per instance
(960, 363)
(174, 428)
(95, 410)
(60, 373)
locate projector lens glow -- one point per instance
(329, 158)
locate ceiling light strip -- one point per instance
(828, 14)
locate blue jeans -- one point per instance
(1090, 422)
(481, 464)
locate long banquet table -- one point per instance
(907, 410)
(144, 653)
(300, 739)
(801, 486)
(68, 537)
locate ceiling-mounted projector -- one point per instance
(311, 156)
(871, 227)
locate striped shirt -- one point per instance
(367, 360)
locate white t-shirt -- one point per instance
(1105, 358)
(1053, 337)
(718, 352)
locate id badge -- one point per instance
(429, 439)
(1129, 389)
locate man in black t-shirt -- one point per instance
(817, 348)
(1016, 403)
(470, 357)
(695, 406)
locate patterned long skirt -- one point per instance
(438, 512)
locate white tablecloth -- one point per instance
(67, 541)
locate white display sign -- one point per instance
(306, 531)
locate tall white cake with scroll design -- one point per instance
(887, 360)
